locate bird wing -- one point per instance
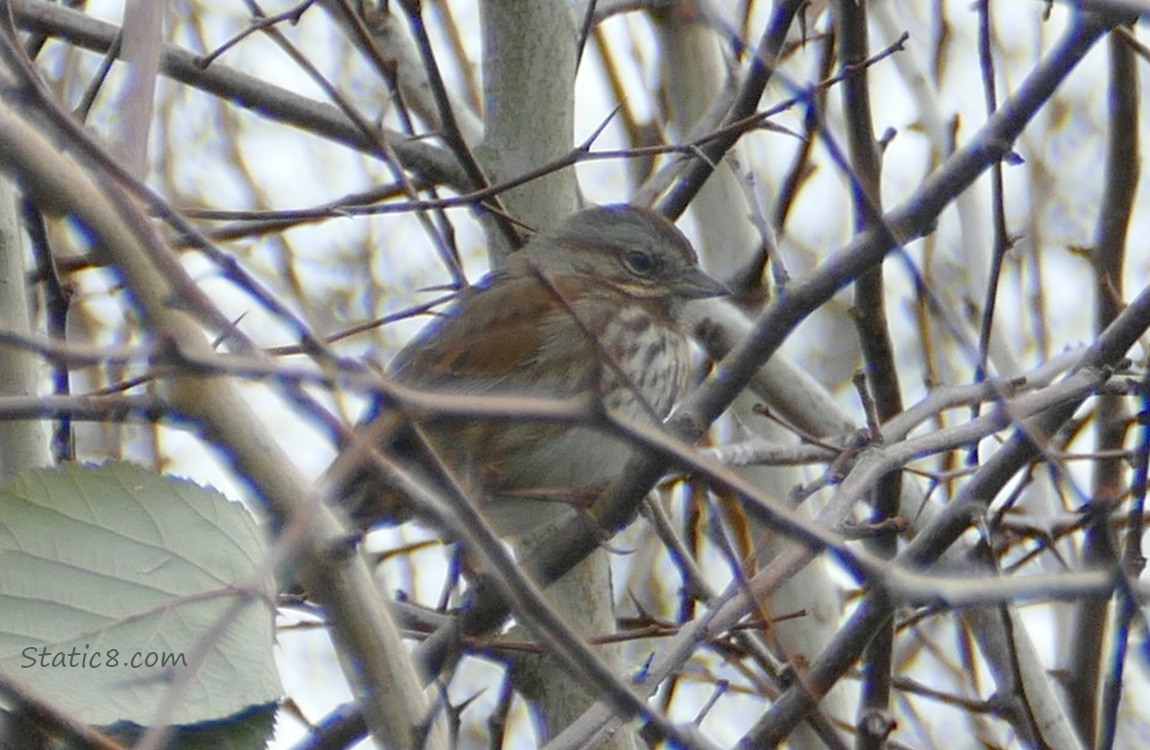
(495, 329)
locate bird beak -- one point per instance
(696, 284)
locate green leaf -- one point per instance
(250, 730)
(119, 586)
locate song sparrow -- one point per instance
(596, 305)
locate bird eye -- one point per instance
(639, 263)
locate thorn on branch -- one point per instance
(872, 529)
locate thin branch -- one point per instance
(259, 96)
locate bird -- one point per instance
(594, 308)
